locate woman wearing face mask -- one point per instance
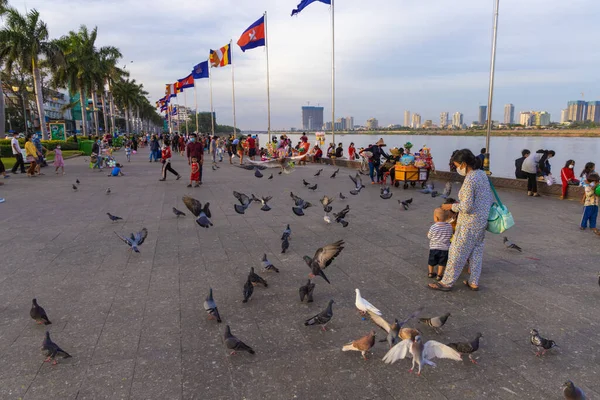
(475, 199)
(534, 164)
(567, 177)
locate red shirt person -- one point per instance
(567, 176)
(195, 149)
(251, 147)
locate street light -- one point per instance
(486, 161)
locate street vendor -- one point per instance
(303, 149)
(391, 160)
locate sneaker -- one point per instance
(178, 177)
(189, 185)
(162, 179)
(530, 193)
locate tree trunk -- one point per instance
(83, 112)
(127, 120)
(102, 98)
(39, 97)
(2, 113)
(112, 111)
(95, 110)
(137, 113)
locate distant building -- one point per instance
(428, 124)
(372, 124)
(540, 118)
(327, 126)
(407, 118)
(593, 111)
(525, 118)
(577, 110)
(312, 118)
(444, 120)
(349, 123)
(482, 115)
(457, 120)
(509, 114)
(416, 121)
(564, 116)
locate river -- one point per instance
(504, 149)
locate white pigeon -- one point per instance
(364, 306)
(421, 353)
(327, 219)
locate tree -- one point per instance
(24, 41)
(128, 94)
(3, 6)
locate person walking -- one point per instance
(213, 149)
(31, 154)
(531, 166)
(154, 148)
(59, 161)
(473, 208)
(97, 151)
(195, 149)
(16, 150)
(166, 162)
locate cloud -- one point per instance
(391, 55)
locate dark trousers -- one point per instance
(167, 167)
(20, 163)
(532, 183)
(200, 179)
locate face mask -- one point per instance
(462, 171)
(571, 166)
(58, 147)
(192, 140)
(592, 184)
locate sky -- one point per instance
(391, 55)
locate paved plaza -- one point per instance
(136, 327)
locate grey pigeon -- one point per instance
(428, 189)
(74, 187)
(285, 244)
(300, 205)
(572, 392)
(178, 213)
(467, 347)
(244, 200)
(342, 197)
(108, 191)
(211, 307)
(267, 265)
(335, 173)
(203, 213)
(263, 201)
(393, 330)
(270, 177)
(323, 257)
(248, 290)
(134, 241)
(256, 279)
(313, 187)
(306, 291)
(434, 193)
(326, 202)
(234, 344)
(358, 185)
(339, 217)
(447, 190)
(113, 217)
(52, 350)
(305, 183)
(250, 167)
(77, 181)
(435, 322)
(38, 313)
(540, 342)
(511, 245)
(214, 168)
(257, 173)
(287, 232)
(406, 203)
(321, 318)
(319, 172)
(386, 193)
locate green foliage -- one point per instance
(6, 151)
(117, 142)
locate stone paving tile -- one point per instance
(135, 326)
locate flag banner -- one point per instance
(174, 111)
(178, 88)
(221, 57)
(170, 90)
(186, 82)
(200, 71)
(305, 3)
(254, 36)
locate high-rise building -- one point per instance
(525, 118)
(406, 118)
(577, 110)
(593, 111)
(416, 121)
(540, 118)
(327, 126)
(349, 123)
(457, 120)
(372, 124)
(428, 124)
(444, 120)
(564, 115)
(312, 118)
(482, 115)
(340, 124)
(509, 114)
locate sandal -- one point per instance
(431, 275)
(439, 286)
(473, 288)
(439, 277)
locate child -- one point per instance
(439, 243)
(59, 161)
(590, 203)
(589, 168)
(195, 175)
(116, 171)
(128, 152)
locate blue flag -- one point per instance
(305, 3)
(200, 71)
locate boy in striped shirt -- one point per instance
(439, 236)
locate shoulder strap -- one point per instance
(495, 193)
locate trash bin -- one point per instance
(85, 146)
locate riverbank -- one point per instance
(438, 132)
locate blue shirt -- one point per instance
(115, 171)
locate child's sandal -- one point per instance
(431, 275)
(439, 277)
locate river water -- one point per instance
(504, 149)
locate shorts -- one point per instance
(438, 257)
(252, 152)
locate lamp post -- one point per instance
(486, 161)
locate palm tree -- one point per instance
(24, 41)
(3, 6)
(108, 72)
(127, 95)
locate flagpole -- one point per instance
(332, 73)
(212, 120)
(177, 109)
(268, 82)
(186, 111)
(196, 104)
(232, 92)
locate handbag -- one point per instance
(499, 218)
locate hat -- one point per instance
(395, 151)
(380, 143)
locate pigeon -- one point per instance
(322, 318)
(306, 291)
(214, 168)
(335, 173)
(287, 232)
(52, 350)
(572, 392)
(234, 344)
(539, 341)
(203, 213)
(257, 173)
(427, 189)
(326, 202)
(434, 194)
(327, 219)
(405, 203)
(74, 187)
(134, 241)
(467, 347)
(511, 245)
(268, 266)
(358, 185)
(248, 290)
(386, 193)
(364, 344)
(108, 191)
(342, 197)
(178, 213)
(322, 258)
(244, 200)
(38, 313)
(305, 183)
(447, 190)
(256, 279)
(113, 217)
(211, 307)
(280, 172)
(77, 181)
(363, 305)
(285, 244)
(251, 167)
(339, 217)
(300, 205)
(270, 176)
(263, 201)
(313, 188)
(421, 353)
(435, 322)
(395, 330)
(319, 172)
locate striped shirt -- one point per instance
(439, 236)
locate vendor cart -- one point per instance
(409, 175)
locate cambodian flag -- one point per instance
(254, 36)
